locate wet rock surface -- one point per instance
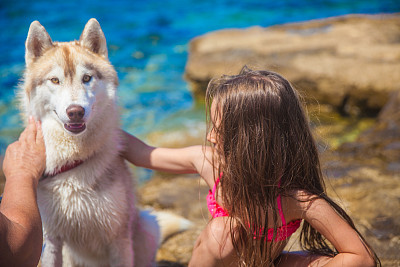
(370, 180)
(382, 141)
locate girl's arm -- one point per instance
(193, 159)
(322, 217)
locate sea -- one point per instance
(148, 45)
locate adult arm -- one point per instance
(20, 224)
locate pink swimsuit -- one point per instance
(283, 232)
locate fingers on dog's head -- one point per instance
(39, 133)
(29, 133)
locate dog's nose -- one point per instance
(75, 113)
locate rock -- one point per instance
(382, 141)
(370, 196)
(184, 195)
(351, 62)
(365, 174)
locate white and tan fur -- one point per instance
(89, 212)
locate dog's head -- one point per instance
(68, 83)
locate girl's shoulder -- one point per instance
(298, 202)
(301, 195)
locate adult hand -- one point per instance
(21, 233)
(26, 157)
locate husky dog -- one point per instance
(86, 196)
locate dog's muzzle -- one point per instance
(76, 123)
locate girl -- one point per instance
(264, 175)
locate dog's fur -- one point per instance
(89, 212)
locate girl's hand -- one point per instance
(26, 157)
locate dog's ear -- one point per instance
(93, 38)
(37, 42)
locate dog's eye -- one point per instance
(55, 80)
(86, 78)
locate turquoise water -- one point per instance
(148, 42)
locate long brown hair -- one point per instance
(267, 149)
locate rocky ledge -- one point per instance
(351, 62)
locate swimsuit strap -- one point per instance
(279, 202)
(215, 186)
